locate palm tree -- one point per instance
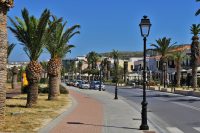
(9, 50)
(198, 11)
(104, 68)
(195, 29)
(14, 69)
(163, 47)
(30, 32)
(108, 69)
(72, 68)
(115, 56)
(79, 66)
(125, 71)
(44, 70)
(5, 5)
(178, 57)
(92, 58)
(57, 39)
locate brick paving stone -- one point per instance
(87, 117)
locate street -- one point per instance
(169, 113)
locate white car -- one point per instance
(84, 85)
(97, 86)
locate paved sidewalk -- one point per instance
(96, 111)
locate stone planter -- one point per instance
(196, 94)
(163, 90)
(152, 88)
(184, 92)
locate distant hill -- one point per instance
(124, 54)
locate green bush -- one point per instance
(198, 82)
(121, 81)
(45, 89)
(24, 89)
(152, 83)
(63, 90)
(43, 80)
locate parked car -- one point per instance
(77, 82)
(84, 85)
(96, 84)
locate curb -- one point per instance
(47, 128)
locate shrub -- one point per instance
(43, 88)
(198, 82)
(24, 89)
(152, 83)
(43, 80)
(63, 90)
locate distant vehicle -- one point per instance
(77, 82)
(84, 85)
(96, 84)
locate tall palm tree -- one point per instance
(92, 58)
(30, 32)
(5, 5)
(108, 69)
(72, 68)
(79, 66)
(9, 50)
(178, 57)
(115, 56)
(125, 71)
(198, 11)
(57, 39)
(163, 47)
(195, 29)
(104, 68)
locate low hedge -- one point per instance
(45, 89)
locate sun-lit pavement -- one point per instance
(169, 113)
(97, 112)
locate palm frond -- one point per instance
(10, 49)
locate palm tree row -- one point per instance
(35, 35)
(164, 48)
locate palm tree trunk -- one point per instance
(14, 81)
(178, 75)
(33, 73)
(32, 95)
(53, 87)
(3, 61)
(59, 80)
(194, 77)
(194, 58)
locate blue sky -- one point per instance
(113, 24)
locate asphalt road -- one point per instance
(169, 113)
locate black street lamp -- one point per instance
(164, 67)
(144, 28)
(100, 67)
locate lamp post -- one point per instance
(100, 67)
(144, 28)
(164, 67)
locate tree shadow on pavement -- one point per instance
(186, 100)
(156, 95)
(80, 123)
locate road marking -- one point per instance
(174, 130)
(197, 128)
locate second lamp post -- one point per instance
(144, 28)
